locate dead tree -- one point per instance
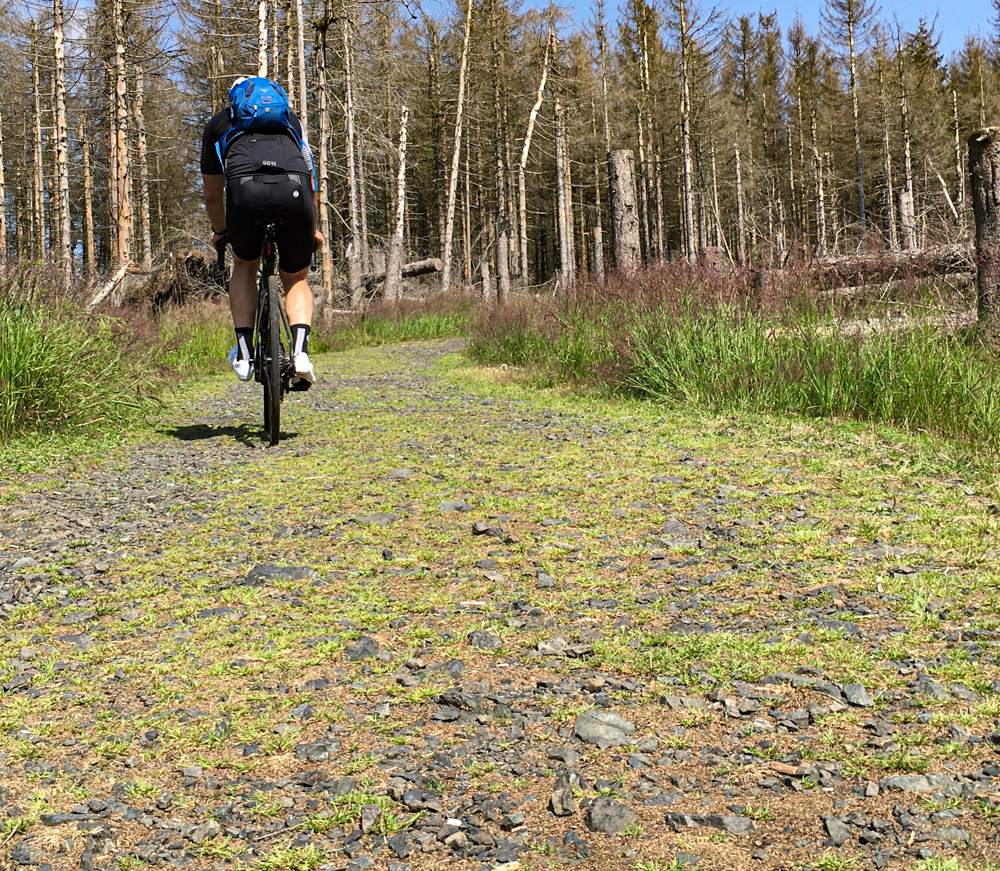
(65, 251)
(326, 257)
(394, 262)
(3, 202)
(522, 207)
(449, 225)
(984, 169)
(89, 253)
(564, 207)
(121, 170)
(145, 237)
(624, 213)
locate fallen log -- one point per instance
(102, 294)
(854, 269)
(410, 270)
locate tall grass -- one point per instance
(687, 338)
(438, 317)
(61, 366)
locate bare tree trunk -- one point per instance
(624, 214)
(564, 213)
(715, 202)
(522, 209)
(686, 166)
(302, 108)
(661, 221)
(112, 166)
(449, 225)
(467, 225)
(290, 39)
(820, 193)
(647, 255)
(324, 180)
(741, 227)
(262, 38)
(394, 262)
(275, 41)
(959, 175)
(984, 168)
(857, 125)
(907, 218)
(38, 172)
(354, 287)
(89, 254)
(3, 203)
(65, 249)
(890, 223)
(145, 238)
(122, 177)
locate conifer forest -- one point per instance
(482, 134)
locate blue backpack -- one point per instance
(256, 103)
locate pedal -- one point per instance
(299, 385)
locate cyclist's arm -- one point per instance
(215, 200)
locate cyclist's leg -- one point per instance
(298, 296)
(243, 292)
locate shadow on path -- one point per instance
(248, 435)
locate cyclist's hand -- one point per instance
(319, 240)
(217, 239)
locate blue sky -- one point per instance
(954, 19)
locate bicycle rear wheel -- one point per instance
(271, 342)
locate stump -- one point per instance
(984, 168)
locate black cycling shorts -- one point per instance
(284, 199)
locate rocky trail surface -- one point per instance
(451, 624)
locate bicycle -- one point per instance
(272, 359)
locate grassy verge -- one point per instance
(60, 366)
(731, 348)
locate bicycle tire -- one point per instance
(272, 371)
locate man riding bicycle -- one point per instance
(254, 177)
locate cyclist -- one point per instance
(267, 174)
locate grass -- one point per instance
(685, 338)
(62, 367)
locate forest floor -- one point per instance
(452, 622)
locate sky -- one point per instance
(954, 19)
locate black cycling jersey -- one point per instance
(257, 151)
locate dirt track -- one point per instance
(449, 624)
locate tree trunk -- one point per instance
(449, 224)
(598, 252)
(644, 216)
(37, 166)
(890, 223)
(907, 220)
(820, 193)
(145, 237)
(261, 37)
(3, 203)
(686, 167)
(394, 262)
(522, 208)
(355, 289)
(65, 247)
(122, 176)
(984, 169)
(564, 213)
(624, 216)
(959, 175)
(89, 253)
(857, 124)
(741, 227)
(323, 168)
(302, 107)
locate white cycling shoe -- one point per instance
(304, 368)
(242, 368)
